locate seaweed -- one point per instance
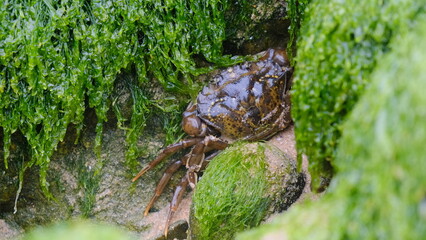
(238, 179)
(339, 46)
(58, 58)
(296, 14)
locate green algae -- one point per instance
(239, 189)
(58, 58)
(240, 174)
(88, 179)
(339, 46)
(378, 190)
(296, 13)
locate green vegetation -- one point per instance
(296, 13)
(238, 189)
(88, 180)
(340, 44)
(58, 58)
(238, 178)
(78, 229)
(378, 190)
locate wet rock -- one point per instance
(84, 185)
(9, 230)
(256, 25)
(9, 185)
(177, 231)
(9, 175)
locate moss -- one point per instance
(240, 174)
(88, 181)
(340, 45)
(296, 13)
(84, 230)
(238, 189)
(377, 192)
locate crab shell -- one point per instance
(250, 101)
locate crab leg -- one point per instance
(196, 158)
(172, 169)
(162, 184)
(166, 178)
(180, 190)
(177, 198)
(169, 150)
(194, 161)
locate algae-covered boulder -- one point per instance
(378, 191)
(340, 44)
(240, 187)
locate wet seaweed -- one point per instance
(58, 58)
(339, 46)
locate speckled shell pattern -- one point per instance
(249, 101)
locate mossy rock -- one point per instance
(340, 44)
(378, 191)
(255, 25)
(240, 187)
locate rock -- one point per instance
(241, 187)
(256, 25)
(84, 185)
(9, 230)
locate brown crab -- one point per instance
(250, 101)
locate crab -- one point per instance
(250, 101)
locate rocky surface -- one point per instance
(115, 199)
(9, 230)
(265, 25)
